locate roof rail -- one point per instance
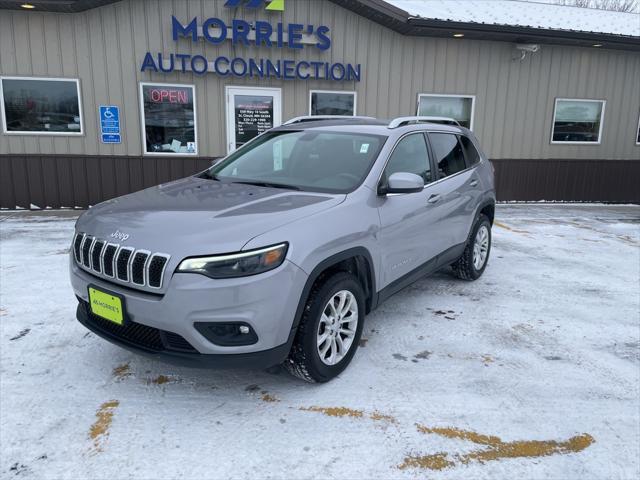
(316, 118)
(400, 121)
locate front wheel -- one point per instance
(329, 330)
(476, 253)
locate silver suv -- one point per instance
(277, 252)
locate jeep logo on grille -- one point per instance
(118, 235)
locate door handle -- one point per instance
(473, 183)
(433, 198)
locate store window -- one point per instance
(458, 107)
(448, 154)
(324, 102)
(41, 106)
(169, 119)
(577, 121)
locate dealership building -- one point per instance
(100, 98)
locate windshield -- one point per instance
(335, 162)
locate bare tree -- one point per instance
(615, 5)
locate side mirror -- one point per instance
(402, 182)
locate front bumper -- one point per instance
(262, 359)
(267, 302)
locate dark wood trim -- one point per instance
(58, 181)
(575, 180)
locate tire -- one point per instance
(304, 359)
(464, 267)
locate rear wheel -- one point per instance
(329, 330)
(476, 254)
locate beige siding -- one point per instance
(104, 48)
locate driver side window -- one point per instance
(410, 155)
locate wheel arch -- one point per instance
(356, 260)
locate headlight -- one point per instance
(240, 264)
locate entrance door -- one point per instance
(251, 111)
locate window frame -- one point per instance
(553, 120)
(5, 131)
(351, 92)
(143, 123)
(451, 95)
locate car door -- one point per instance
(405, 219)
(458, 189)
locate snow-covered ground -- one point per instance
(533, 371)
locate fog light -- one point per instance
(231, 334)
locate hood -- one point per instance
(196, 216)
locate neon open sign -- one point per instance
(164, 95)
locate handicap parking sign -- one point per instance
(110, 124)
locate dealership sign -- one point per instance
(290, 37)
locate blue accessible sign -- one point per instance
(110, 124)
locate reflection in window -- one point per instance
(460, 108)
(470, 151)
(578, 121)
(448, 153)
(169, 121)
(333, 103)
(34, 105)
(410, 156)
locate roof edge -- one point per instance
(402, 22)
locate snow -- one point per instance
(524, 14)
(545, 346)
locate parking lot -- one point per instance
(532, 371)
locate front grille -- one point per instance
(77, 244)
(122, 263)
(137, 267)
(142, 336)
(86, 248)
(156, 270)
(96, 254)
(176, 342)
(107, 260)
(127, 265)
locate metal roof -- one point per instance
(511, 21)
(531, 14)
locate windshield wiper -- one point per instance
(209, 175)
(267, 184)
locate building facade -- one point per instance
(102, 98)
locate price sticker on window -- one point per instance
(364, 148)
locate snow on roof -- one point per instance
(524, 14)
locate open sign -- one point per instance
(169, 95)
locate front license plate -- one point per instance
(106, 305)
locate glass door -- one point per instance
(251, 111)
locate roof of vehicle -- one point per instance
(371, 126)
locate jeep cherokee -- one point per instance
(277, 252)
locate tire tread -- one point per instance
(297, 364)
(463, 267)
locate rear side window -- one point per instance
(410, 156)
(448, 153)
(470, 151)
